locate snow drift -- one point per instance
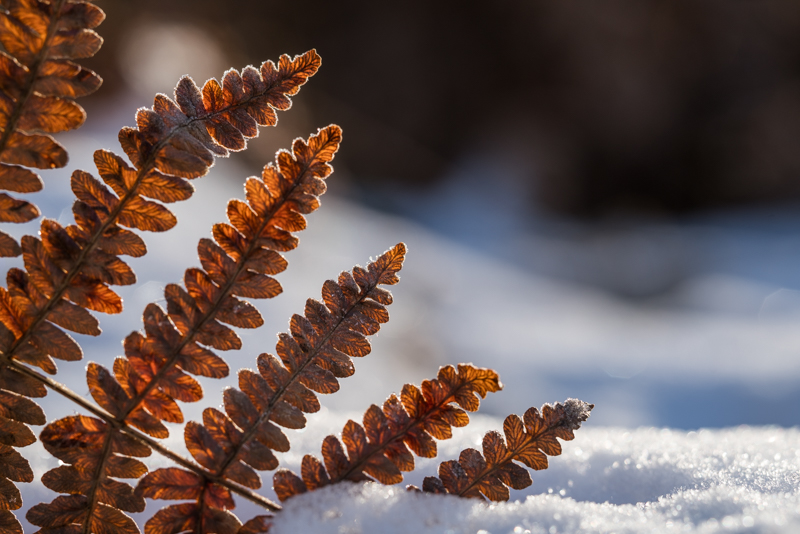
(607, 480)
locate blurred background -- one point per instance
(601, 199)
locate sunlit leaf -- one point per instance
(527, 440)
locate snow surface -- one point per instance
(607, 480)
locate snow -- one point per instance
(607, 480)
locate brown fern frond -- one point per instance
(240, 441)
(382, 448)
(145, 385)
(182, 137)
(528, 440)
(38, 85)
(69, 270)
(78, 263)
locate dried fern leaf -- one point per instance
(235, 444)
(76, 265)
(38, 85)
(190, 517)
(144, 387)
(182, 137)
(17, 411)
(69, 270)
(528, 440)
(382, 447)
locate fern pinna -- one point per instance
(69, 270)
(527, 440)
(380, 448)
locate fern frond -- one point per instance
(144, 387)
(382, 448)
(16, 412)
(235, 444)
(528, 440)
(69, 270)
(182, 137)
(78, 263)
(38, 85)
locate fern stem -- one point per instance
(213, 309)
(98, 477)
(33, 74)
(143, 438)
(202, 516)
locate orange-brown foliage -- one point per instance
(232, 445)
(528, 440)
(382, 448)
(68, 272)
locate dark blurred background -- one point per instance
(609, 107)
